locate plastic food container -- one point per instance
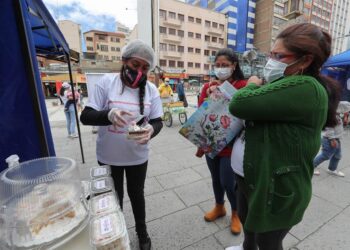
(41, 203)
(104, 203)
(109, 232)
(101, 185)
(100, 171)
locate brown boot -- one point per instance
(218, 211)
(235, 223)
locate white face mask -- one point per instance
(275, 69)
(223, 73)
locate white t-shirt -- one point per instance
(112, 146)
(237, 155)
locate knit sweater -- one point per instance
(284, 120)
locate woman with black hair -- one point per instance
(117, 99)
(226, 67)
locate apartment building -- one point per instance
(240, 20)
(121, 28)
(340, 26)
(72, 33)
(188, 39)
(102, 45)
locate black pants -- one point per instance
(135, 181)
(265, 241)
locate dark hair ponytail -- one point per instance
(308, 39)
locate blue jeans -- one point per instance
(70, 119)
(223, 179)
(329, 153)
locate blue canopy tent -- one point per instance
(338, 67)
(28, 30)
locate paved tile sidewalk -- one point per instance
(178, 192)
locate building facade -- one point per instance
(72, 33)
(102, 45)
(121, 28)
(241, 19)
(187, 38)
(340, 26)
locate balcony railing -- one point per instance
(215, 31)
(172, 22)
(171, 38)
(214, 45)
(172, 54)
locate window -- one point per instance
(213, 53)
(88, 38)
(105, 57)
(206, 52)
(117, 40)
(207, 38)
(190, 34)
(162, 14)
(104, 47)
(118, 58)
(172, 47)
(112, 39)
(198, 51)
(172, 15)
(214, 39)
(198, 20)
(190, 50)
(172, 63)
(206, 66)
(180, 33)
(207, 23)
(222, 27)
(99, 57)
(214, 24)
(221, 40)
(113, 58)
(191, 19)
(172, 31)
(198, 36)
(190, 64)
(112, 49)
(162, 47)
(101, 37)
(162, 30)
(181, 17)
(162, 63)
(181, 49)
(117, 49)
(89, 48)
(180, 64)
(98, 46)
(197, 65)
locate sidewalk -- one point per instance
(178, 192)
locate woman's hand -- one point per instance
(256, 80)
(118, 117)
(146, 136)
(212, 87)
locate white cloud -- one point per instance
(124, 11)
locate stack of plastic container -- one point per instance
(107, 226)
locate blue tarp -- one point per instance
(340, 60)
(26, 28)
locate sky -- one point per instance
(95, 14)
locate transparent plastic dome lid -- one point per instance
(41, 201)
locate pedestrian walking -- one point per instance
(117, 99)
(283, 119)
(331, 144)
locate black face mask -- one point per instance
(134, 78)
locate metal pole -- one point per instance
(75, 107)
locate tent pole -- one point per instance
(75, 106)
(44, 147)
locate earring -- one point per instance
(302, 71)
